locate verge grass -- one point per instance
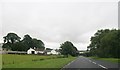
(34, 61)
(114, 60)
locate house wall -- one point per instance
(30, 51)
(40, 52)
(54, 52)
(49, 53)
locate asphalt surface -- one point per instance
(83, 63)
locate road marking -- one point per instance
(70, 63)
(98, 64)
(90, 61)
(102, 66)
(94, 62)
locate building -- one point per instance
(35, 51)
(55, 52)
(51, 52)
(48, 51)
(31, 51)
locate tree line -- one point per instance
(13, 42)
(105, 43)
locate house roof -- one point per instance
(39, 49)
(31, 49)
(57, 50)
(48, 50)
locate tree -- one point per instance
(12, 42)
(38, 43)
(105, 43)
(29, 42)
(67, 48)
(11, 38)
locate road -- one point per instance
(83, 63)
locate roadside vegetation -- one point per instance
(35, 61)
(14, 43)
(105, 44)
(114, 60)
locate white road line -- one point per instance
(90, 61)
(94, 62)
(70, 63)
(102, 66)
(98, 64)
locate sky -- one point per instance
(57, 21)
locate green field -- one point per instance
(34, 61)
(114, 60)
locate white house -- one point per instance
(40, 51)
(31, 51)
(51, 51)
(35, 51)
(54, 52)
(48, 52)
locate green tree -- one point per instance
(12, 42)
(105, 43)
(38, 43)
(29, 42)
(67, 48)
(11, 38)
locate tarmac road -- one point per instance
(84, 63)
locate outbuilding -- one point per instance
(36, 51)
(31, 51)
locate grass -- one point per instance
(0, 61)
(34, 61)
(114, 60)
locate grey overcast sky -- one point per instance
(56, 21)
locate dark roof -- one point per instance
(48, 50)
(39, 49)
(57, 50)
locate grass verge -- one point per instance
(34, 61)
(114, 60)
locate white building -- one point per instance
(31, 51)
(35, 51)
(42, 51)
(51, 51)
(54, 52)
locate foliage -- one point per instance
(67, 48)
(11, 38)
(105, 43)
(12, 42)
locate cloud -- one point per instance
(56, 22)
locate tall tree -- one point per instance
(38, 43)
(29, 42)
(67, 48)
(105, 43)
(11, 38)
(12, 42)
